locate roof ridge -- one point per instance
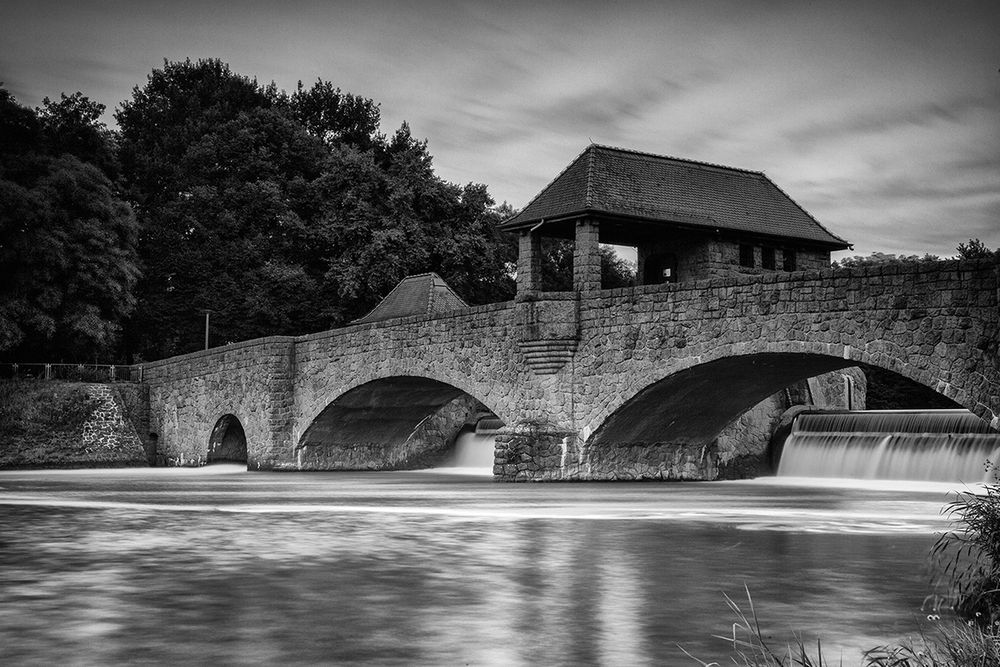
(549, 185)
(429, 308)
(588, 200)
(698, 163)
(808, 214)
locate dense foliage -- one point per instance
(286, 213)
(68, 242)
(557, 267)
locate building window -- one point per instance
(746, 255)
(767, 258)
(660, 268)
(789, 263)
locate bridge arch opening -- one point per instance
(393, 423)
(716, 419)
(695, 404)
(228, 441)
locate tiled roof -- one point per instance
(423, 294)
(630, 184)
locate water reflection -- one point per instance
(406, 568)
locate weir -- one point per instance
(937, 445)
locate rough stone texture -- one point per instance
(536, 451)
(133, 398)
(529, 263)
(743, 446)
(188, 395)
(54, 424)
(228, 441)
(586, 257)
(699, 257)
(107, 435)
(425, 447)
(934, 323)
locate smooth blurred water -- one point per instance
(221, 566)
(934, 445)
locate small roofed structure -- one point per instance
(423, 294)
(687, 220)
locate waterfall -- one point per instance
(474, 447)
(932, 445)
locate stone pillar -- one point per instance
(529, 263)
(536, 452)
(586, 257)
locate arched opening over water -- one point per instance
(228, 441)
(393, 423)
(716, 419)
(694, 405)
(724, 419)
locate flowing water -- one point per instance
(446, 567)
(223, 566)
(938, 445)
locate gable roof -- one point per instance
(423, 294)
(656, 188)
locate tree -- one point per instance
(975, 249)
(219, 174)
(882, 258)
(67, 241)
(285, 214)
(73, 125)
(557, 267)
(335, 117)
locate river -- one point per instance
(219, 565)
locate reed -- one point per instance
(967, 561)
(967, 557)
(749, 648)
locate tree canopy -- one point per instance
(974, 249)
(285, 213)
(67, 239)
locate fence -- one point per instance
(76, 372)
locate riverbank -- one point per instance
(55, 424)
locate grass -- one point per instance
(948, 642)
(966, 559)
(750, 649)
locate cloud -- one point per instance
(879, 118)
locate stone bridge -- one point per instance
(632, 383)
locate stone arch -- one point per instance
(228, 441)
(388, 423)
(665, 425)
(694, 404)
(808, 356)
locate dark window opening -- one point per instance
(660, 268)
(789, 260)
(746, 255)
(767, 258)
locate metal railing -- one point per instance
(75, 372)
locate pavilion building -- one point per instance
(687, 221)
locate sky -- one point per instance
(882, 119)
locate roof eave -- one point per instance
(690, 224)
